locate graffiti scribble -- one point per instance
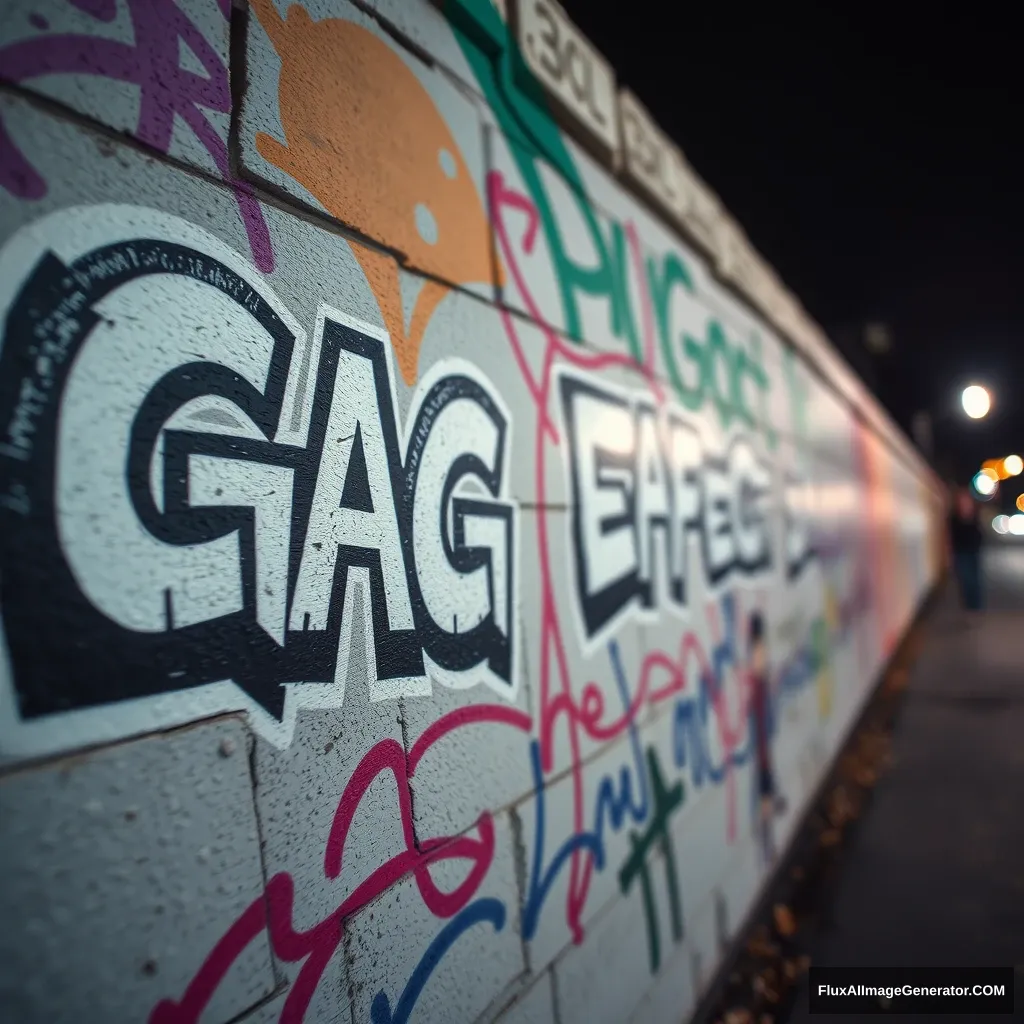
(273, 911)
(166, 90)
(667, 800)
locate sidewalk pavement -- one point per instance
(934, 872)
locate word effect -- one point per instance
(641, 485)
(192, 493)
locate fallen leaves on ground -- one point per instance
(897, 679)
(785, 922)
(761, 947)
(739, 1015)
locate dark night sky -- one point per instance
(874, 159)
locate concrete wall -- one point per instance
(387, 494)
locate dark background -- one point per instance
(873, 156)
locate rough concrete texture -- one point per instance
(670, 996)
(118, 865)
(371, 650)
(424, 27)
(704, 942)
(535, 1006)
(470, 770)
(589, 994)
(397, 953)
(267, 1012)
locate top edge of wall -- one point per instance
(611, 123)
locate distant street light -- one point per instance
(976, 401)
(1014, 465)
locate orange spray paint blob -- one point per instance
(364, 137)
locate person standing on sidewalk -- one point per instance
(770, 802)
(965, 540)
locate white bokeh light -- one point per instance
(1017, 525)
(976, 401)
(1001, 524)
(1014, 465)
(984, 484)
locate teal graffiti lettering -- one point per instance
(673, 275)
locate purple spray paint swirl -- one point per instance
(151, 63)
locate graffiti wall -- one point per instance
(428, 592)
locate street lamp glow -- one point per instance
(984, 484)
(1017, 525)
(1020, 502)
(976, 401)
(1014, 465)
(1001, 524)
